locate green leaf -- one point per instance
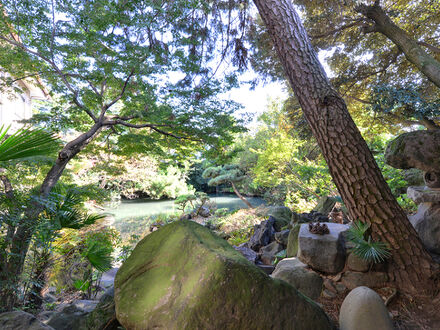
(26, 142)
(99, 256)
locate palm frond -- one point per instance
(26, 142)
(99, 256)
(372, 251)
(367, 249)
(357, 231)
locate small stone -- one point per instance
(340, 288)
(249, 254)
(104, 315)
(282, 237)
(325, 205)
(263, 234)
(294, 272)
(364, 309)
(72, 316)
(19, 320)
(269, 252)
(329, 285)
(357, 264)
(292, 241)
(328, 294)
(371, 279)
(427, 224)
(268, 269)
(282, 216)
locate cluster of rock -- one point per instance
(316, 262)
(184, 276)
(77, 315)
(271, 237)
(420, 150)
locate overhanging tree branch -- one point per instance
(428, 65)
(58, 71)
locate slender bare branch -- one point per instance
(151, 126)
(357, 22)
(121, 94)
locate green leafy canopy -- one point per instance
(156, 65)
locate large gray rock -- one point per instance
(427, 224)
(363, 309)
(263, 234)
(282, 216)
(419, 149)
(423, 194)
(19, 320)
(103, 317)
(269, 252)
(325, 253)
(183, 276)
(292, 241)
(295, 273)
(371, 279)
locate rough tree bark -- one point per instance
(381, 23)
(352, 166)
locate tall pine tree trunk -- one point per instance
(352, 166)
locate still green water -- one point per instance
(140, 208)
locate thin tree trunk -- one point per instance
(427, 64)
(241, 196)
(352, 166)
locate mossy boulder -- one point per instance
(185, 277)
(419, 149)
(282, 216)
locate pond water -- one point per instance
(140, 208)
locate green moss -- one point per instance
(185, 277)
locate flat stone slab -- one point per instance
(422, 194)
(325, 253)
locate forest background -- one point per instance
(160, 149)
